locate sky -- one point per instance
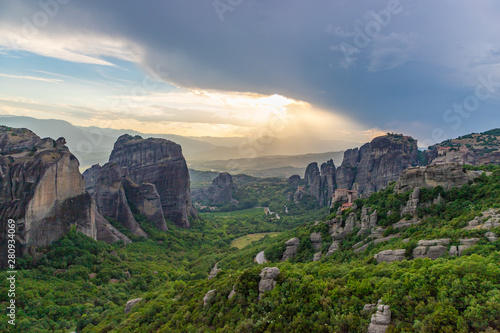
(339, 70)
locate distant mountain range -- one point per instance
(283, 156)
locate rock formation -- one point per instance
(390, 256)
(130, 304)
(412, 204)
(110, 198)
(371, 167)
(208, 296)
(146, 200)
(316, 241)
(159, 162)
(489, 219)
(431, 249)
(107, 233)
(267, 279)
(221, 191)
(232, 293)
(213, 272)
(321, 184)
(447, 175)
(292, 246)
(42, 190)
(368, 221)
(381, 319)
(464, 244)
(333, 248)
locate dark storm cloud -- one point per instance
(380, 62)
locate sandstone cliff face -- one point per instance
(221, 191)
(377, 163)
(159, 162)
(321, 184)
(447, 175)
(110, 198)
(41, 189)
(146, 199)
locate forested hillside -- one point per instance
(83, 285)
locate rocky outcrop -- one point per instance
(130, 304)
(431, 249)
(412, 203)
(267, 279)
(221, 191)
(316, 241)
(333, 248)
(107, 233)
(159, 162)
(390, 256)
(41, 188)
(446, 175)
(489, 219)
(292, 246)
(368, 221)
(213, 272)
(381, 319)
(321, 184)
(371, 167)
(491, 236)
(232, 293)
(317, 256)
(208, 296)
(146, 200)
(110, 197)
(464, 244)
(328, 180)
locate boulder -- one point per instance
(267, 279)
(381, 319)
(491, 236)
(442, 241)
(333, 248)
(390, 256)
(213, 272)
(208, 296)
(292, 246)
(232, 293)
(317, 256)
(316, 241)
(431, 249)
(130, 304)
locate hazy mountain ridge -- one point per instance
(92, 145)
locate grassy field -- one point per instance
(243, 241)
(239, 213)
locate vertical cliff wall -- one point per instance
(159, 162)
(42, 189)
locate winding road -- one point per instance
(260, 258)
